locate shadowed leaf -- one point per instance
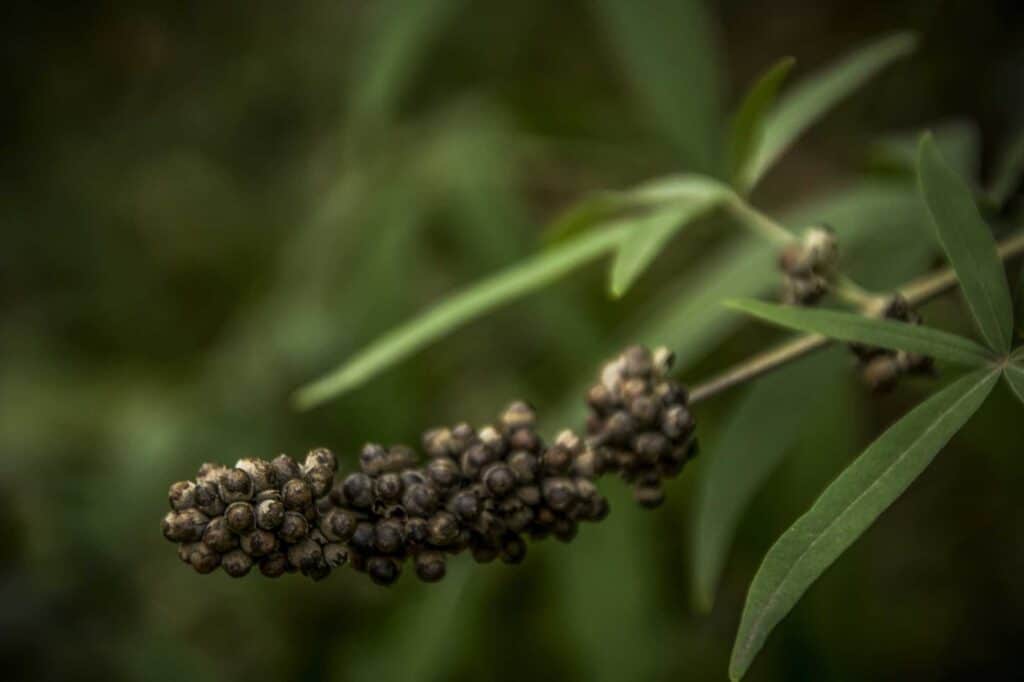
(1009, 170)
(849, 506)
(969, 245)
(1014, 375)
(868, 330)
(748, 126)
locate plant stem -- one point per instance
(916, 292)
(759, 222)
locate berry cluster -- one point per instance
(809, 266)
(480, 490)
(257, 512)
(882, 368)
(640, 424)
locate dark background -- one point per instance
(206, 205)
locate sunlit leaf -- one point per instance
(814, 96)
(667, 50)
(459, 309)
(760, 431)
(1009, 170)
(849, 506)
(748, 126)
(856, 328)
(969, 245)
(1014, 375)
(653, 231)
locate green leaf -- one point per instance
(759, 432)
(959, 142)
(969, 245)
(590, 211)
(849, 506)
(645, 242)
(869, 330)
(748, 126)
(814, 96)
(1008, 171)
(1014, 375)
(492, 292)
(668, 52)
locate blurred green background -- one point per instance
(207, 206)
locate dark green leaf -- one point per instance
(1008, 172)
(492, 292)
(652, 232)
(757, 435)
(849, 506)
(958, 141)
(969, 245)
(814, 96)
(668, 52)
(748, 126)
(868, 330)
(1014, 375)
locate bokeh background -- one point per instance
(206, 205)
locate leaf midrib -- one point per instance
(775, 593)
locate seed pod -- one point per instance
(305, 556)
(555, 461)
(240, 517)
(259, 543)
(335, 554)
(475, 458)
(443, 472)
(388, 487)
(438, 442)
(293, 528)
(650, 446)
(513, 549)
(420, 499)
(417, 531)
(218, 536)
(338, 524)
(400, 457)
(388, 537)
(182, 495)
(524, 465)
(236, 563)
(558, 493)
(644, 409)
(649, 495)
(261, 473)
(184, 526)
(524, 439)
(296, 494)
(430, 566)
(274, 565)
(529, 494)
(499, 479)
(382, 570)
(373, 459)
(270, 514)
(208, 499)
(321, 457)
(235, 485)
(320, 479)
(209, 472)
(358, 490)
(465, 505)
(517, 415)
(363, 538)
(285, 469)
(492, 439)
(443, 529)
(203, 559)
(676, 422)
(587, 465)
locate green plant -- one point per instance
(634, 226)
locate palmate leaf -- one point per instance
(872, 331)
(444, 318)
(748, 125)
(668, 52)
(849, 506)
(643, 244)
(1014, 375)
(969, 245)
(814, 96)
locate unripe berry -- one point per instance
(430, 566)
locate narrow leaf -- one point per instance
(1007, 176)
(492, 292)
(1014, 375)
(869, 330)
(646, 241)
(760, 431)
(748, 126)
(969, 245)
(849, 506)
(813, 97)
(590, 211)
(668, 52)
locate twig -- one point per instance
(916, 292)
